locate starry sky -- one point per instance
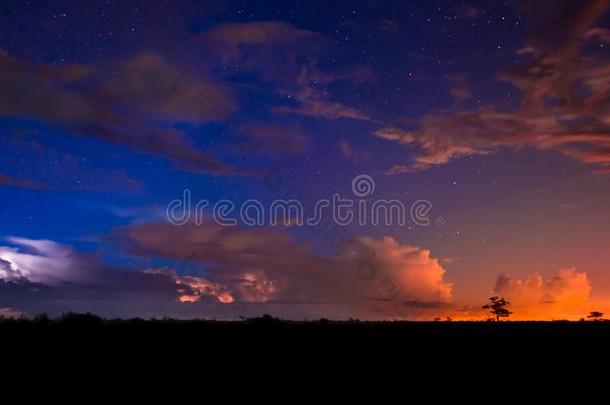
(497, 113)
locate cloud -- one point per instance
(459, 89)
(273, 138)
(39, 261)
(56, 170)
(313, 100)
(313, 104)
(460, 93)
(229, 246)
(232, 40)
(192, 288)
(442, 139)
(10, 313)
(265, 270)
(151, 85)
(6, 180)
(256, 46)
(351, 153)
(598, 34)
(45, 276)
(266, 265)
(413, 267)
(565, 295)
(565, 100)
(470, 12)
(129, 103)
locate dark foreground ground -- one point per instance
(378, 357)
(226, 347)
(269, 331)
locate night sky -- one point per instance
(496, 113)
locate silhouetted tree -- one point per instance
(82, 320)
(595, 316)
(42, 319)
(497, 307)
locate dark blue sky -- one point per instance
(496, 112)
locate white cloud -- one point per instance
(39, 261)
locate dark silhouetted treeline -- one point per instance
(211, 343)
(271, 326)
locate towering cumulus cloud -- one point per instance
(268, 265)
(565, 295)
(412, 266)
(264, 269)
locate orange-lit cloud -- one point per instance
(192, 288)
(563, 296)
(369, 278)
(414, 269)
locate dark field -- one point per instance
(270, 330)
(224, 348)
